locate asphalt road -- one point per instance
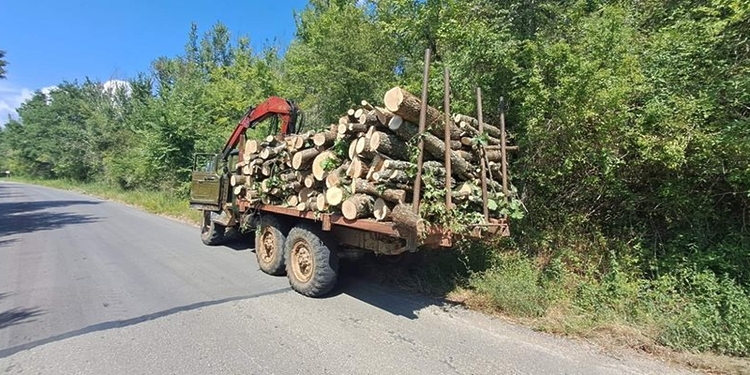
(95, 287)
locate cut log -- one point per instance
(384, 116)
(370, 119)
(397, 164)
(238, 190)
(472, 131)
(247, 170)
(357, 168)
(304, 158)
(357, 206)
(288, 177)
(395, 122)
(392, 176)
(355, 128)
(270, 152)
(334, 196)
(362, 148)
(366, 105)
(376, 165)
(294, 186)
(324, 139)
(380, 210)
(268, 167)
(309, 181)
(389, 145)
(492, 130)
(306, 193)
(320, 202)
(334, 178)
(359, 112)
(392, 195)
(403, 216)
(353, 149)
(292, 201)
(436, 148)
(408, 106)
(325, 161)
(236, 180)
(251, 146)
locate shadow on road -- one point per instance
(128, 322)
(27, 217)
(17, 316)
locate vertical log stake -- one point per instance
(483, 176)
(503, 150)
(446, 126)
(422, 125)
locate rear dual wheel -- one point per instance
(269, 244)
(311, 262)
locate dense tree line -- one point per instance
(633, 117)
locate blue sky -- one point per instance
(49, 41)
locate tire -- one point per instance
(311, 262)
(212, 234)
(269, 244)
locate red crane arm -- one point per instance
(273, 106)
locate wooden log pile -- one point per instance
(361, 167)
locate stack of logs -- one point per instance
(362, 167)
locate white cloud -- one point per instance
(114, 85)
(11, 98)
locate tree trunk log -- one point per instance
(381, 210)
(321, 164)
(490, 129)
(392, 195)
(324, 139)
(357, 206)
(304, 158)
(334, 196)
(408, 106)
(389, 145)
(405, 218)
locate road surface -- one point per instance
(94, 287)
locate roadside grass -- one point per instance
(158, 202)
(690, 317)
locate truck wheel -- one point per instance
(212, 234)
(269, 244)
(311, 264)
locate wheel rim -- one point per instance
(303, 262)
(267, 246)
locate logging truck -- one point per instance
(311, 198)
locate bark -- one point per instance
(389, 145)
(392, 195)
(405, 218)
(408, 106)
(492, 130)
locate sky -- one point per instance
(49, 41)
